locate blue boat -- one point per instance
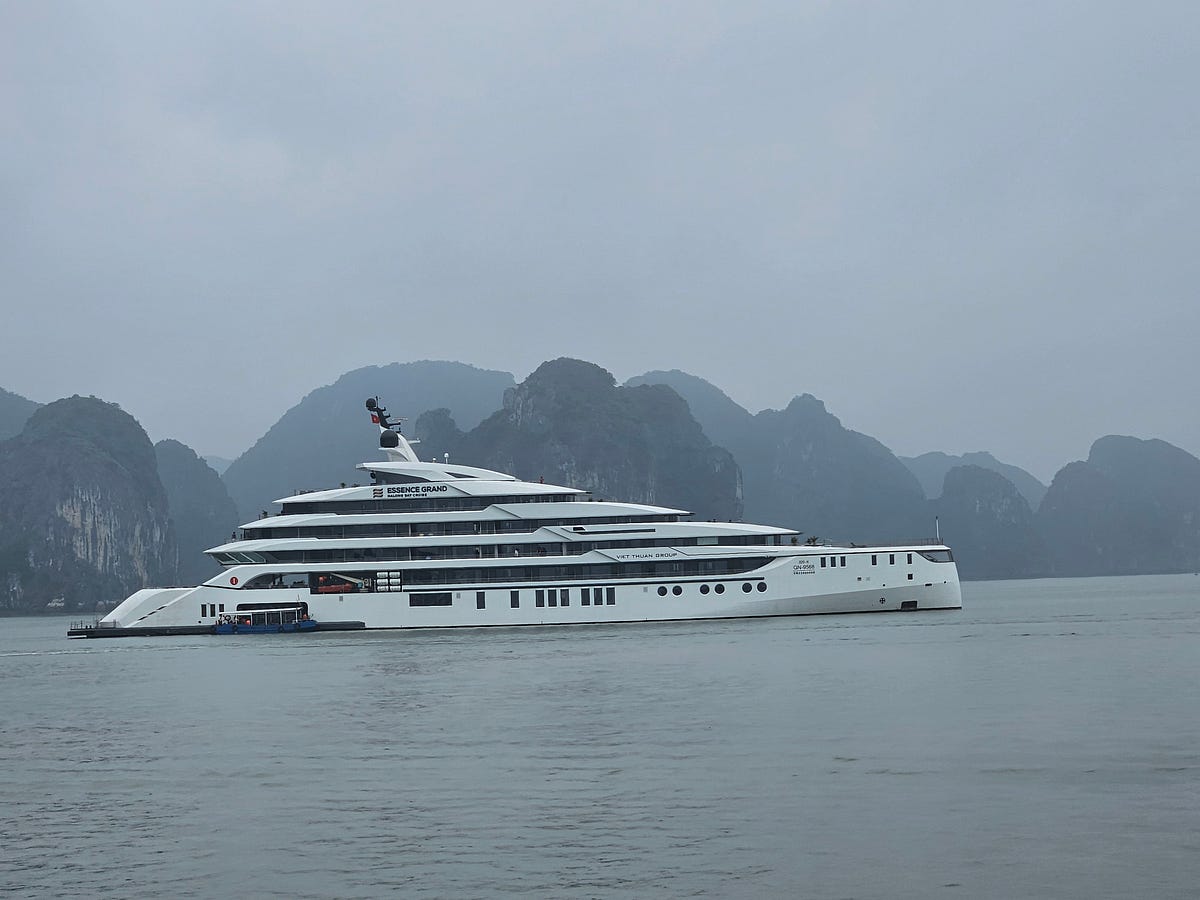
(264, 621)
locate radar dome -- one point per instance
(389, 439)
(371, 404)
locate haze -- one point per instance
(962, 226)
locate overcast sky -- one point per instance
(963, 226)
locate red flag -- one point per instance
(375, 418)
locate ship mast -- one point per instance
(397, 447)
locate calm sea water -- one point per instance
(1043, 742)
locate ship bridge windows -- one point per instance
(396, 478)
(378, 477)
(246, 557)
(938, 556)
(239, 559)
(273, 533)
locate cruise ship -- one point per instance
(441, 545)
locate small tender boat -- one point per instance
(264, 621)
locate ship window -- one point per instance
(822, 562)
(910, 576)
(746, 586)
(585, 596)
(720, 589)
(479, 600)
(762, 586)
(470, 575)
(396, 478)
(662, 591)
(514, 599)
(332, 583)
(843, 562)
(539, 598)
(873, 559)
(610, 596)
(564, 595)
(677, 590)
(704, 588)
(221, 608)
(553, 598)
(910, 559)
(891, 559)
(940, 556)
(440, 598)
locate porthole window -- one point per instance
(704, 588)
(746, 586)
(762, 586)
(662, 591)
(677, 590)
(720, 589)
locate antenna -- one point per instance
(391, 441)
(937, 529)
(378, 413)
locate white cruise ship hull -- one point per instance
(789, 585)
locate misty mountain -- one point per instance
(438, 434)
(200, 508)
(569, 423)
(801, 468)
(725, 422)
(989, 524)
(318, 442)
(824, 479)
(1132, 507)
(15, 411)
(217, 463)
(84, 515)
(931, 469)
